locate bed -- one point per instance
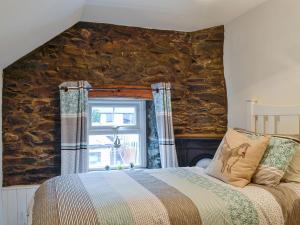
(183, 196)
(166, 196)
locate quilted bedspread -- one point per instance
(180, 196)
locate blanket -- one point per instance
(177, 196)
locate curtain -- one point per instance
(153, 155)
(163, 111)
(73, 110)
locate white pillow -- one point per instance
(204, 163)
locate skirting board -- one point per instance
(15, 203)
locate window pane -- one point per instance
(125, 110)
(113, 116)
(102, 116)
(101, 152)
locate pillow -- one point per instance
(292, 173)
(203, 163)
(279, 154)
(237, 158)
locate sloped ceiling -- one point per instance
(25, 25)
(183, 15)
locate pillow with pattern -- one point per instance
(237, 158)
(275, 162)
(293, 171)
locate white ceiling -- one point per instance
(25, 25)
(183, 15)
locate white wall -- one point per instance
(262, 58)
(17, 203)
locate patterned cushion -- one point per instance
(237, 158)
(279, 154)
(293, 171)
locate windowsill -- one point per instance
(115, 169)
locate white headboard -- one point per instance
(267, 117)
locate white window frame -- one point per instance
(139, 128)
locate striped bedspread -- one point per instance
(181, 196)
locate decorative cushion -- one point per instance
(293, 171)
(237, 158)
(275, 162)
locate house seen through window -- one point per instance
(116, 133)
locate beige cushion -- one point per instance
(237, 158)
(293, 171)
(277, 160)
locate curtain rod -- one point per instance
(113, 89)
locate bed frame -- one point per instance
(266, 118)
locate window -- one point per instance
(113, 122)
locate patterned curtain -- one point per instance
(73, 110)
(163, 111)
(153, 155)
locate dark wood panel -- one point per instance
(191, 150)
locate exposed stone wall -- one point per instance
(107, 54)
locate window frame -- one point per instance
(139, 128)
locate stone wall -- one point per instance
(107, 54)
